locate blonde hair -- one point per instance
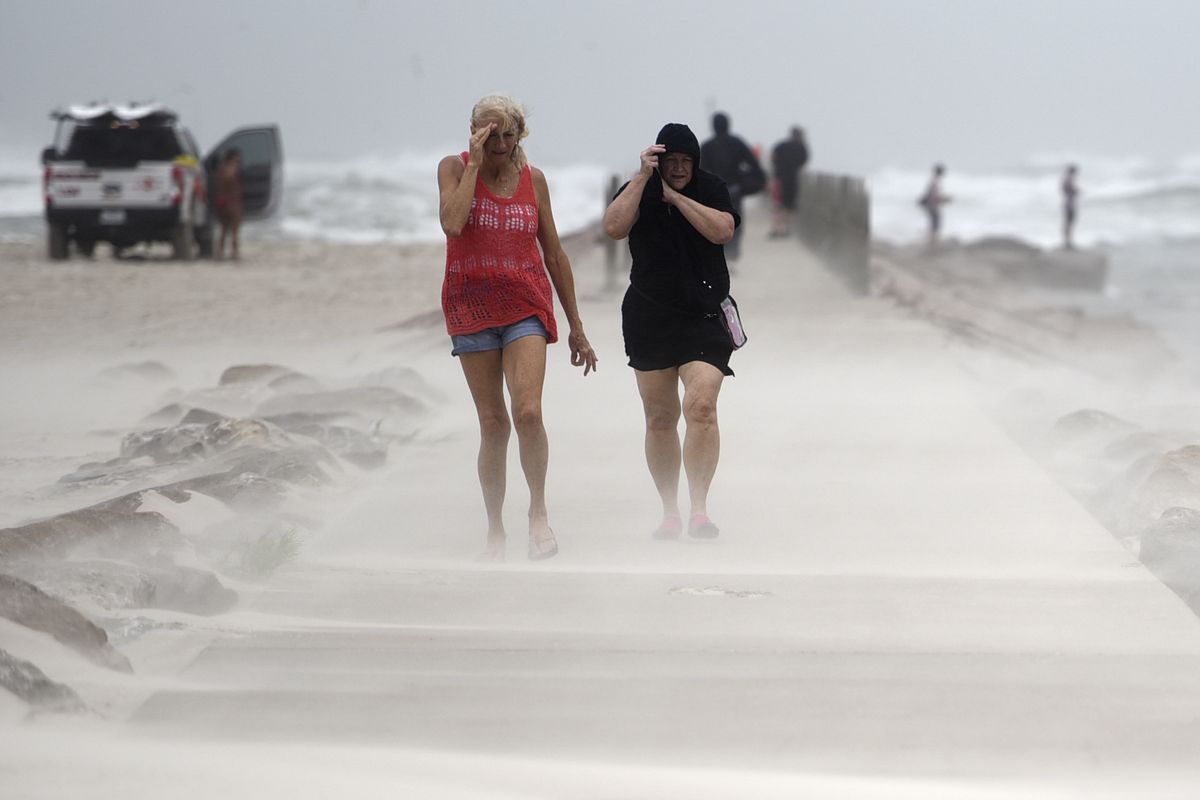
(511, 113)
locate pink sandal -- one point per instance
(701, 527)
(670, 528)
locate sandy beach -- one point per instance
(903, 603)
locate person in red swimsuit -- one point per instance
(227, 200)
(496, 296)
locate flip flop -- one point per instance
(669, 528)
(701, 527)
(537, 547)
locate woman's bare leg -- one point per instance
(525, 372)
(702, 440)
(660, 402)
(485, 378)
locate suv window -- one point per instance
(122, 146)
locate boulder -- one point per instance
(110, 585)
(365, 401)
(26, 604)
(30, 684)
(117, 585)
(405, 379)
(201, 416)
(1173, 480)
(1088, 429)
(115, 526)
(192, 441)
(254, 373)
(1170, 548)
(146, 370)
(358, 448)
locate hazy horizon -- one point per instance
(978, 85)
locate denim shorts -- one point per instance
(497, 338)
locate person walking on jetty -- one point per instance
(1070, 198)
(731, 159)
(788, 157)
(678, 217)
(932, 200)
(495, 211)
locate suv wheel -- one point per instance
(182, 241)
(56, 241)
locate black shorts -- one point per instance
(789, 190)
(660, 338)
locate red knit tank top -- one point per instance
(494, 270)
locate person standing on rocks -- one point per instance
(678, 218)
(932, 200)
(496, 297)
(1070, 201)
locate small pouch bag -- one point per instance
(732, 322)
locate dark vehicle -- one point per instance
(131, 174)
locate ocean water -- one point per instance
(1122, 201)
(367, 199)
(1145, 215)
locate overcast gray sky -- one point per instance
(978, 83)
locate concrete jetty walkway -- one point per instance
(901, 603)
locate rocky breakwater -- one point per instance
(219, 485)
(1143, 483)
(1017, 298)
(1141, 479)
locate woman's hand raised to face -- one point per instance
(478, 140)
(669, 195)
(650, 159)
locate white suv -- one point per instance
(130, 174)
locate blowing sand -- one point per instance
(901, 602)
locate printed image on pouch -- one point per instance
(733, 323)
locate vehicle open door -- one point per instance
(262, 168)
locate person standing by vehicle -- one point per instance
(495, 211)
(731, 159)
(678, 218)
(227, 200)
(787, 159)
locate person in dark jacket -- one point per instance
(732, 160)
(787, 159)
(678, 217)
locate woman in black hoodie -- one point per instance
(678, 218)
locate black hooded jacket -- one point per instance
(673, 264)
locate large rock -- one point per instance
(266, 374)
(115, 585)
(26, 604)
(364, 401)
(115, 526)
(358, 448)
(236, 488)
(1170, 548)
(193, 441)
(405, 379)
(1088, 429)
(30, 684)
(110, 585)
(145, 370)
(1171, 480)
